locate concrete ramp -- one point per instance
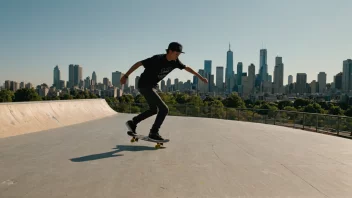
(18, 118)
(205, 158)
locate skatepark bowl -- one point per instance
(79, 148)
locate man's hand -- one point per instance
(204, 80)
(123, 80)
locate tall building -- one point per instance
(57, 77)
(163, 86)
(338, 81)
(278, 75)
(77, 75)
(229, 74)
(313, 87)
(168, 85)
(239, 73)
(94, 78)
(263, 66)
(290, 79)
(301, 82)
(207, 66)
(220, 78)
(71, 75)
(136, 80)
(251, 78)
(207, 70)
(322, 82)
(347, 75)
(116, 76)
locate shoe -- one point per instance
(132, 126)
(155, 136)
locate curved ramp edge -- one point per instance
(18, 118)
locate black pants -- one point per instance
(155, 103)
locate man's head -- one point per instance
(174, 50)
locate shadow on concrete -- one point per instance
(119, 148)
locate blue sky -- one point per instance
(106, 36)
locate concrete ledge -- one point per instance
(18, 118)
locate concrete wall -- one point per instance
(26, 117)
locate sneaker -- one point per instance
(155, 136)
(132, 126)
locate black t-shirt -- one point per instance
(156, 68)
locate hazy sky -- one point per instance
(106, 36)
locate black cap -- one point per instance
(175, 46)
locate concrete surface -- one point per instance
(18, 118)
(205, 158)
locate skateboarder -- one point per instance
(156, 68)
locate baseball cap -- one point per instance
(175, 46)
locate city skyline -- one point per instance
(38, 36)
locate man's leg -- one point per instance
(132, 124)
(147, 93)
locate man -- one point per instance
(156, 68)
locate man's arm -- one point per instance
(190, 70)
(132, 69)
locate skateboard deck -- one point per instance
(135, 138)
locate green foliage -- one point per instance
(26, 94)
(301, 103)
(6, 95)
(335, 110)
(313, 108)
(234, 101)
(284, 103)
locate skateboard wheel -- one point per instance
(161, 144)
(132, 140)
(157, 146)
(136, 139)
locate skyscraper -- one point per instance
(229, 70)
(207, 70)
(136, 80)
(77, 75)
(322, 82)
(278, 75)
(263, 66)
(301, 82)
(251, 77)
(290, 79)
(71, 75)
(220, 78)
(239, 73)
(347, 75)
(116, 76)
(57, 77)
(338, 81)
(94, 78)
(207, 66)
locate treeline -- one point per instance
(134, 104)
(26, 94)
(128, 103)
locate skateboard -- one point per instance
(135, 138)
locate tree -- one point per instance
(284, 103)
(313, 108)
(126, 99)
(139, 99)
(248, 103)
(181, 98)
(26, 94)
(234, 101)
(335, 110)
(66, 96)
(6, 95)
(300, 103)
(348, 112)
